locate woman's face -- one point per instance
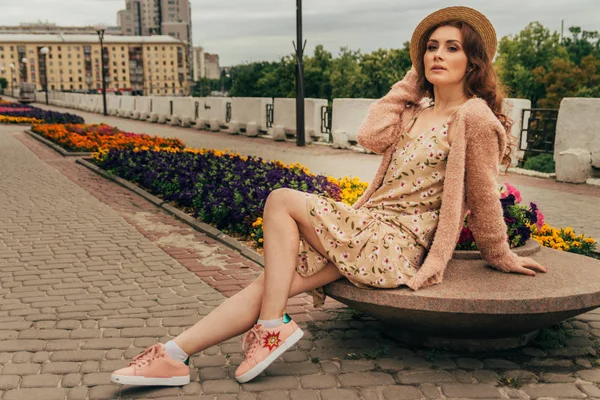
(445, 60)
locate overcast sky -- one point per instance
(254, 30)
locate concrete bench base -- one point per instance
(476, 303)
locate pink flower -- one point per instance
(512, 190)
(540, 220)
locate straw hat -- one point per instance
(473, 18)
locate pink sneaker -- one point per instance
(153, 367)
(264, 346)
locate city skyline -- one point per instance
(263, 30)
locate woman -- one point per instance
(438, 160)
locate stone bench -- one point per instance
(479, 308)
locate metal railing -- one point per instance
(326, 113)
(228, 112)
(270, 115)
(540, 127)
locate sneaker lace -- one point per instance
(253, 339)
(147, 356)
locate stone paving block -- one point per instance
(471, 391)
(553, 390)
(430, 390)
(304, 395)
(271, 383)
(83, 333)
(71, 380)
(393, 364)
(425, 376)
(9, 381)
(357, 365)
(318, 382)
(589, 389)
(96, 379)
(21, 369)
(556, 378)
(304, 368)
(89, 366)
(209, 361)
(56, 345)
(339, 394)
(106, 344)
(220, 386)
(591, 375)
(273, 395)
(79, 355)
(365, 379)
(486, 376)
(104, 392)
(121, 323)
(77, 393)
(496, 363)
(35, 394)
(22, 345)
(213, 373)
(60, 368)
(401, 393)
(469, 363)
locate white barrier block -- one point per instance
(348, 116)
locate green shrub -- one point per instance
(541, 163)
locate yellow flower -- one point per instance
(260, 240)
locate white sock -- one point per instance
(175, 352)
(270, 323)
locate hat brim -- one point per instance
(472, 17)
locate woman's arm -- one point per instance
(483, 198)
(380, 128)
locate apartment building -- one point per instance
(141, 65)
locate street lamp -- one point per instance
(44, 51)
(12, 72)
(24, 62)
(2, 70)
(100, 29)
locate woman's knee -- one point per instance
(280, 198)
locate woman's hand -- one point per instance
(527, 266)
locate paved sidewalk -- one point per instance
(90, 274)
(563, 204)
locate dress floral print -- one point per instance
(383, 243)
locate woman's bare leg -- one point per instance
(240, 312)
(285, 217)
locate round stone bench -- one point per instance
(479, 308)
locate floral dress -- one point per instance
(383, 243)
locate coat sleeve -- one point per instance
(380, 128)
(484, 152)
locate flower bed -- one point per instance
(18, 120)
(225, 189)
(524, 223)
(44, 116)
(93, 138)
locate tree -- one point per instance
(317, 74)
(519, 56)
(346, 74)
(562, 80)
(3, 84)
(381, 69)
(581, 44)
(204, 86)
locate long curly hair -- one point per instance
(482, 81)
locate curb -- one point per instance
(529, 172)
(56, 147)
(188, 219)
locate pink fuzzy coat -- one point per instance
(478, 145)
